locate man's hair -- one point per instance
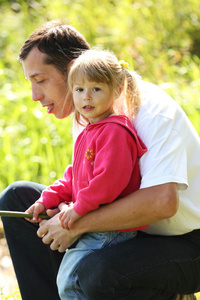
(60, 42)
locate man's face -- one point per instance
(49, 86)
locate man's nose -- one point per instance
(36, 94)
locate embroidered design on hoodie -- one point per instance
(89, 154)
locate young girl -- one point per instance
(105, 162)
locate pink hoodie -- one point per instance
(105, 167)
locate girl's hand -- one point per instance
(68, 217)
(36, 209)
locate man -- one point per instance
(158, 264)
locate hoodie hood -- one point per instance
(125, 122)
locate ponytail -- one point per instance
(132, 94)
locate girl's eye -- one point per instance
(96, 89)
(79, 89)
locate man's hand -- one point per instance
(52, 233)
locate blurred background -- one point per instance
(160, 39)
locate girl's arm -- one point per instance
(60, 191)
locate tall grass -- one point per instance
(14, 296)
(33, 146)
(158, 45)
(159, 39)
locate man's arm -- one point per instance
(144, 206)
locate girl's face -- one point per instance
(93, 100)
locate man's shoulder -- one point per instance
(151, 91)
(155, 102)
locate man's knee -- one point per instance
(99, 279)
(9, 197)
(7, 194)
(92, 275)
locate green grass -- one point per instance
(14, 296)
(162, 47)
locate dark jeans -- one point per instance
(147, 267)
(35, 265)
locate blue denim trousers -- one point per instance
(67, 280)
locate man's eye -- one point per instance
(79, 90)
(96, 89)
(40, 81)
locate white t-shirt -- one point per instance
(173, 156)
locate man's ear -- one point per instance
(70, 64)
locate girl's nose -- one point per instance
(87, 96)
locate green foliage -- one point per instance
(33, 145)
(158, 38)
(15, 296)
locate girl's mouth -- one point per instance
(88, 107)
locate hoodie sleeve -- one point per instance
(116, 162)
(60, 191)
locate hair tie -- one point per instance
(124, 64)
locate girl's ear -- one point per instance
(118, 92)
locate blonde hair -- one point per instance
(103, 66)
